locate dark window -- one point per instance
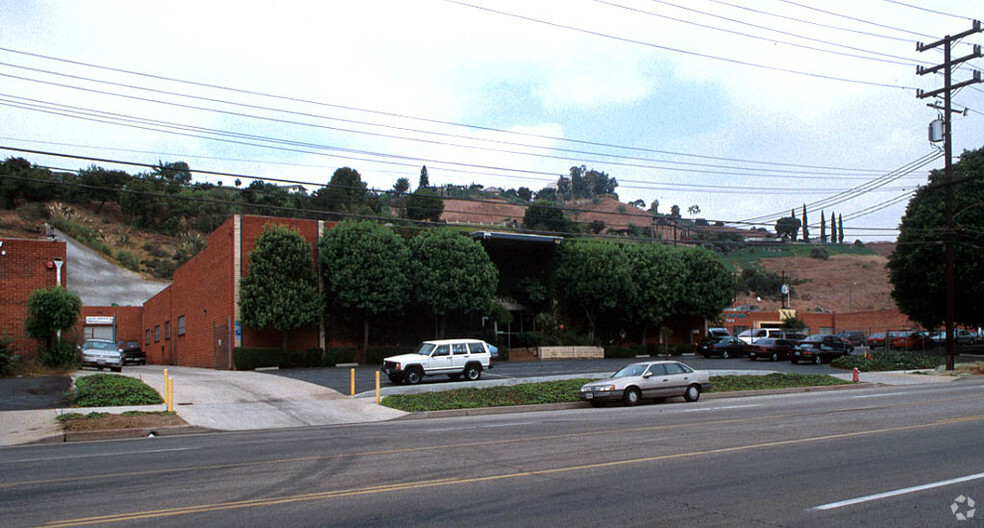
(181, 325)
(147, 336)
(167, 329)
(443, 350)
(476, 348)
(674, 368)
(157, 333)
(459, 349)
(657, 370)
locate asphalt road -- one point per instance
(788, 460)
(339, 378)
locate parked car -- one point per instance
(101, 353)
(451, 357)
(725, 348)
(132, 353)
(913, 341)
(882, 339)
(648, 380)
(856, 337)
(820, 348)
(753, 335)
(717, 333)
(771, 349)
(960, 337)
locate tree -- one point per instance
(364, 265)
(823, 228)
(450, 273)
(401, 186)
(916, 268)
(102, 185)
(654, 207)
(694, 210)
(546, 216)
(840, 228)
(524, 194)
(806, 229)
(640, 203)
(675, 211)
(708, 286)
(425, 204)
(346, 192)
(49, 311)
(280, 290)
(424, 180)
(548, 194)
(833, 228)
(593, 277)
(787, 227)
(657, 273)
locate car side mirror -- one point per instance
(647, 375)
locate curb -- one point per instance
(480, 411)
(115, 434)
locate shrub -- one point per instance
(312, 357)
(676, 350)
(527, 340)
(128, 260)
(61, 354)
(109, 390)
(336, 355)
(7, 358)
(881, 361)
(624, 351)
(375, 354)
(251, 358)
(818, 252)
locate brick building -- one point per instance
(820, 322)
(26, 265)
(196, 320)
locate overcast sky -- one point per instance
(671, 101)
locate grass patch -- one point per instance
(525, 394)
(109, 390)
(771, 381)
(565, 391)
(882, 361)
(67, 417)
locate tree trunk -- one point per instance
(283, 341)
(591, 324)
(644, 328)
(365, 336)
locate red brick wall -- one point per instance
(867, 322)
(23, 269)
(129, 320)
(252, 226)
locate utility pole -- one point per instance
(947, 91)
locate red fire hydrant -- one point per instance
(856, 373)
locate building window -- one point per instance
(157, 333)
(167, 329)
(147, 336)
(181, 325)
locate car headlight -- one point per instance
(605, 388)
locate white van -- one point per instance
(753, 335)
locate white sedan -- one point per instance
(655, 380)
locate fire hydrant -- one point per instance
(856, 373)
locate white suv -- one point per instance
(452, 357)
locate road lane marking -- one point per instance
(114, 455)
(424, 484)
(879, 395)
(895, 493)
(720, 408)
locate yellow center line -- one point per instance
(485, 443)
(423, 484)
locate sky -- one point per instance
(744, 108)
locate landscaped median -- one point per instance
(566, 391)
(109, 390)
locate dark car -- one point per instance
(771, 349)
(725, 347)
(132, 353)
(818, 349)
(856, 337)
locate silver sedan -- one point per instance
(656, 380)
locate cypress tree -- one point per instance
(833, 228)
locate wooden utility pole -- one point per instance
(947, 91)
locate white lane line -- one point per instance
(880, 395)
(102, 455)
(887, 494)
(720, 408)
(510, 424)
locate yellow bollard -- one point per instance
(170, 395)
(377, 387)
(165, 386)
(352, 393)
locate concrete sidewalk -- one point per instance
(218, 400)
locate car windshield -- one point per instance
(100, 345)
(425, 349)
(635, 369)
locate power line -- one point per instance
(400, 116)
(908, 62)
(677, 50)
(861, 20)
(929, 10)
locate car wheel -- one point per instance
(751, 357)
(795, 361)
(692, 393)
(817, 360)
(413, 375)
(725, 355)
(631, 396)
(473, 373)
(775, 356)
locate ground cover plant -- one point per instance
(882, 361)
(109, 390)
